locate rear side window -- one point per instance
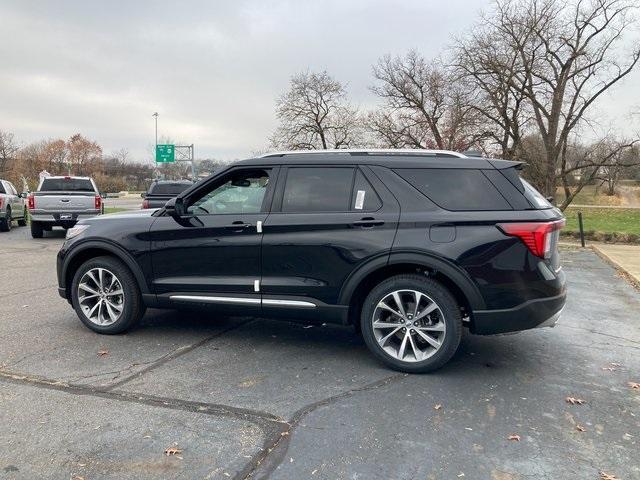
(456, 189)
(168, 188)
(2, 189)
(534, 196)
(66, 185)
(312, 189)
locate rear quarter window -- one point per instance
(455, 189)
(66, 185)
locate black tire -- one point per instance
(36, 229)
(448, 307)
(23, 221)
(5, 223)
(133, 306)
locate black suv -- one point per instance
(408, 246)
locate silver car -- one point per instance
(12, 206)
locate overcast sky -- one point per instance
(212, 69)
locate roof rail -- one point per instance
(369, 151)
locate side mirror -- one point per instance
(104, 195)
(174, 207)
(24, 195)
(143, 195)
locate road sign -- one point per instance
(165, 153)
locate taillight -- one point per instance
(98, 202)
(31, 202)
(535, 235)
(145, 203)
(1, 202)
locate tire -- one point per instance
(443, 325)
(36, 229)
(109, 319)
(5, 223)
(23, 221)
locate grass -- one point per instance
(604, 224)
(113, 209)
(589, 196)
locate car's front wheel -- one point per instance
(412, 323)
(106, 296)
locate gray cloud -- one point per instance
(211, 69)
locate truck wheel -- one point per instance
(5, 223)
(23, 221)
(106, 296)
(412, 323)
(36, 229)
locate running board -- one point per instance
(240, 300)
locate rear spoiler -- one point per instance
(503, 164)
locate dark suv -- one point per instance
(408, 246)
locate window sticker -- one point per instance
(359, 199)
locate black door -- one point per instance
(325, 222)
(214, 249)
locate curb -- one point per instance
(631, 278)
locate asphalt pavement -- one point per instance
(252, 398)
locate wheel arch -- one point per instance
(93, 249)
(450, 275)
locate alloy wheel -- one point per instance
(409, 325)
(101, 296)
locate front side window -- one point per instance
(240, 192)
(315, 189)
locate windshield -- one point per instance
(67, 184)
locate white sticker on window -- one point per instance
(359, 200)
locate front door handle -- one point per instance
(368, 222)
(238, 226)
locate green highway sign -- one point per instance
(165, 153)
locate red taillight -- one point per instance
(535, 235)
(31, 202)
(98, 202)
(145, 203)
(1, 202)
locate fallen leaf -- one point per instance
(461, 474)
(610, 369)
(574, 401)
(514, 437)
(172, 451)
(314, 472)
(607, 476)
(634, 385)
(614, 364)
(437, 407)
(102, 353)
(580, 428)
(77, 477)
(284, 434)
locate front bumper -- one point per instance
(541, 312)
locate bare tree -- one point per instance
(8, 150)
(562, 57)
(315, 114)
(423, 106)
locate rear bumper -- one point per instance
(55, 218)
(542, 312)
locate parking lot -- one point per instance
(254, 398)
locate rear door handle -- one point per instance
(368, 222)
(238, 226)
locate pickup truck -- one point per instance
(11, 206)
(62, 201)
(162, 191)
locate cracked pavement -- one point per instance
(252, 398)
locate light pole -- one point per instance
(155, 114)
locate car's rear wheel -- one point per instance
(5, 223)
(412, 323)
(23, 221)
(36, 229)
(106, 296)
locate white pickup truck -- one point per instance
(62, 201)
